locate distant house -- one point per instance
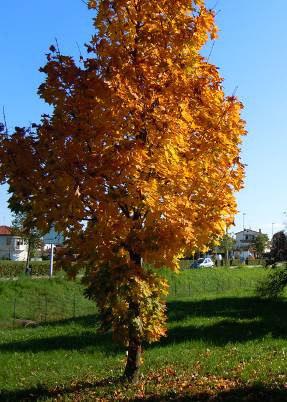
(244, 246)
(12, 247)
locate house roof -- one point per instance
(5, 231)
(248, 231)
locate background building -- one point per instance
(244, 243)
(12, 247)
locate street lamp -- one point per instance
(244, 214)
(272, 228)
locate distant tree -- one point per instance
(279, 246)
(260, 244)
(138, 161)
(226, 245)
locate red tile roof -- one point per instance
(5, 231)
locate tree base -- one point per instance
(132, 369)
(132, 379)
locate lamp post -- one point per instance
(284, 217)
(51, 260)
(272, 228)
(244, 214)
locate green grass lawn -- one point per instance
(223, 343)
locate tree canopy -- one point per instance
(279, 246)
(260, 243)
(139, 159)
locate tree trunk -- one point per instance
(132, 369)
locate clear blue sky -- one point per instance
(250, 53)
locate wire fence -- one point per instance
(29, 311)
(212, 286)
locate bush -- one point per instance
(185, 264)
(235, 262)
(12, 269)
(250, 262)
(274, 285)
(256, 262)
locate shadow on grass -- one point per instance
(84, 391)
(42, 393)
(231, 307)
(237, 320)
(85, 321)
(78, 343)
(78, 340)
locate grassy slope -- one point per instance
(41, 300)
(221, 331)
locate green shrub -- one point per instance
(237, 262)
(273, 286)
(185, 264)
(12, 269)
(256, 262)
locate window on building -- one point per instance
(246, 237)
(19, 243)
(8, 241)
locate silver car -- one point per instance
(203, 263)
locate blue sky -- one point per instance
(250, 53)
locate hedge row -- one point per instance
(238, 262)
(11, 269)
(186, 264)
(255, 262)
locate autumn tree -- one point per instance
(139, 159)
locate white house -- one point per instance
(244, 242)
(12, 247)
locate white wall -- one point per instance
(13, 248)
(245, 238)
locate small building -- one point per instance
(12, 247)
(244, 246)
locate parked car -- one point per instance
(203, 263)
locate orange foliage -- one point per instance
(140, 155)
